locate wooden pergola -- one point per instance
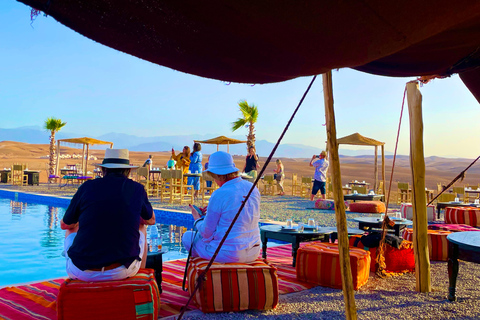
(221, 140)
(359, 140)
(86, 142)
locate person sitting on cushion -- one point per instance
(243, 242)
(105, 235)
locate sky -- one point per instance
(49, 70)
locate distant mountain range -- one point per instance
(36, 135)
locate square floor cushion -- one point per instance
(367, 207)
(452, 227)
(132, 298)
(437, 243)
(463, 215)
(234, 286)
(396, 260)
(319, 263)
(407, 211)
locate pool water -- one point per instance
(31, 242)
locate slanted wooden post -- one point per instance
(58, 157)
(334, 168)
(86, 162)
(417, 164)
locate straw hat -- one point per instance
(221, 163)
(117, 159)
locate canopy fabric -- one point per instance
(85, 140)
(358, 139)
(271, 41)
(221, 140)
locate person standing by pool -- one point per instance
(280, 176)
(105, 235)
(251, 163)
(320, 176)
(183, 161)
(148, 162)
(243, 242)
(195, 167)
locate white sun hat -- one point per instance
(117, 159)
(221, 163)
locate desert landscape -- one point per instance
(438, 170)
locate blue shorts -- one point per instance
(318, 185)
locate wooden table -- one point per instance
(363, 197)
(368, 223)
(476, 192)
(464, 246)
(4, 175)
(33, 177)
(295, 238)
(155, 172)
(358, 183)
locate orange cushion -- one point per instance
(132, 298)
(367, 207)
(234, 286)
(320, 263)
(437, 243)
(396, 260)
(463, 215)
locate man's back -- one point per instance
(108, 211)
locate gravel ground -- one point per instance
(388, 298)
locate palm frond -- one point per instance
(53, 124)
(238, 124)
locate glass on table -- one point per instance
(289, 223)
(301, 227)
(311, 222)
(476, 201)
(398, 215)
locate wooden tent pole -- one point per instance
(417, 164)
(346, 271)
(58, 158)
(83, 158)
(383, 170)
(86, 163)
(376, 170)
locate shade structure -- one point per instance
(86, 142)
(271, 41)
(221, 140)
(359, 140)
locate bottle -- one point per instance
(153, 239)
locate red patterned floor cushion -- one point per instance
(320, 263)
(463, 215)
(451, 227)
(396, 260)
(407, 211)
(234, 286)
(367, 207)
(437, 243)
(325, 204)
(132, 298)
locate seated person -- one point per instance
(105, 235)
(243, 242)
(171, 163)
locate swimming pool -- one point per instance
(32, 242)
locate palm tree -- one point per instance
(53, 125)
(250, 116)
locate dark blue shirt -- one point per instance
(108, 211)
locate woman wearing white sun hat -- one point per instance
(243, 242)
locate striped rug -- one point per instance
(38, 300)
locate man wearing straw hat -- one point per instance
(105, 235)
(243, 241)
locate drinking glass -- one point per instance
(382, 217)
(457, 199)
(300, 227)
(476, 201)
(398, 215)
(311, 222)
(289, 223)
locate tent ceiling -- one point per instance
(272, 41)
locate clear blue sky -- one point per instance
(47, 70)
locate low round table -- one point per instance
(350, 231)
(367, 223)
(464, 246)
(294, 237)
(155, 262)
